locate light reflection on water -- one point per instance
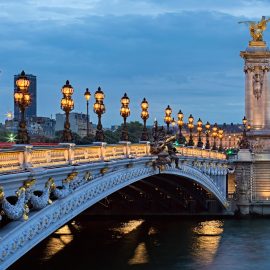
(155, 244)
(206, 240)
(140, 255)
(127, 227)
(59, 240)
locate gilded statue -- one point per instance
(257, 28)
(162, 146)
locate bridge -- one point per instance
(42, 188)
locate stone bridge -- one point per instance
(44, 188)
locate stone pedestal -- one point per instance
(243, 176)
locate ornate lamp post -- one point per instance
(99, 109)
(67, 105)
(190, 126)
(125, 112)
(144, 116)
(244, 143)
(23, 99)
(168, 117)
(214, 134)
(220, 136)
(207, 132)
(87, 96)
(199, 129)
(180, 122)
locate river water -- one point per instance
(154, 243)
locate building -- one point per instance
(41, 126)
(231, 136)
(31, 111)
(78, 123)
(37, 126)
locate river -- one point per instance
(153, 243)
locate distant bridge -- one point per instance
(58, 183)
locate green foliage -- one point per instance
(4, 135)
(111, 137)
(86, 140)
(134, 133)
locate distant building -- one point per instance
(231, 137)
(37, 126)
(11, 125)
(78, 123)
(31, 111)
(41, 126)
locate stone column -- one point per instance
(257, 91)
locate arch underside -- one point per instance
(19, 237)
(161, 194)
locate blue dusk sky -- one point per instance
(179, 52)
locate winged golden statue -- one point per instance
(257, 28)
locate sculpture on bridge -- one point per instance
(257, 28)
(41, 198)
(14, 207)
(163, 147)
(257, 83)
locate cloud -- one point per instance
(68, 11)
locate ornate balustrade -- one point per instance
(10, 160)
(26, 157)
(197, 152)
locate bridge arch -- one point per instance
(19, 237)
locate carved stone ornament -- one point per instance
(258, 146)
(258, 84)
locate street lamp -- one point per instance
(214, 134)
(207, 132)
(87, 96)
(244, 143)
(220, 136)
(125, 112)
(199, 129)
(168, 117)
(23, 99)
(99, 109)
(67, 105)
(144, 116)
(180, 122)
(190, 126)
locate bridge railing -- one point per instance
(197, 152)
(24, 157)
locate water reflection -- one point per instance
(206, 240)
(140, 255)
(128, 227)
(152, 231)
(154, 244)
(59, 240)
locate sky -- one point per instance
(182, 53)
